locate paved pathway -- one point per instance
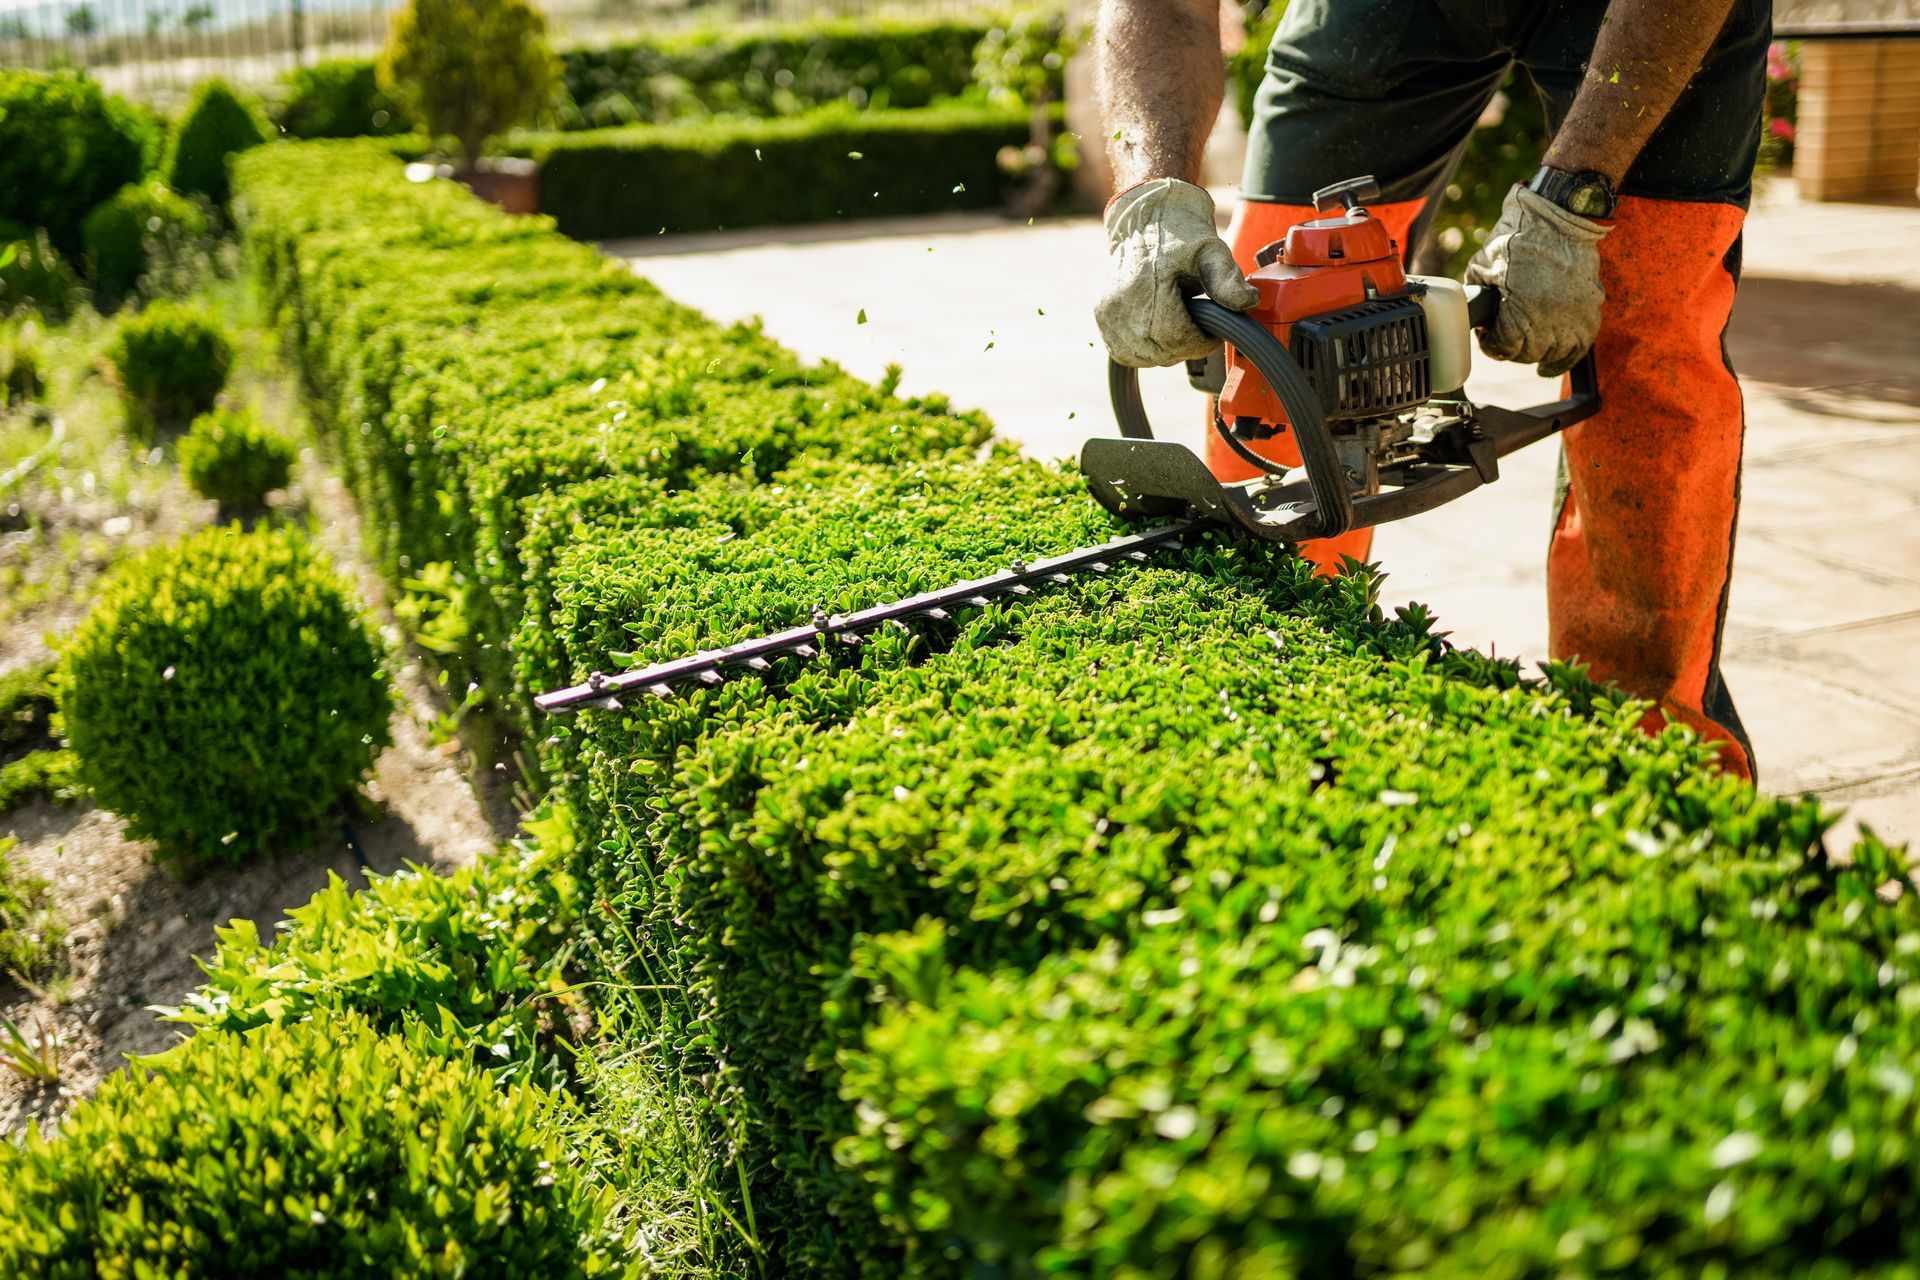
(1823, 641)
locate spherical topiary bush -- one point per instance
(172, 361)
(141, 223)
(225, 694)
(230, 457)
(217, 123)
(321, 1149)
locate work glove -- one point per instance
(1162, 249)
(1546, 264)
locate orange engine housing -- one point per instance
(1324, 265)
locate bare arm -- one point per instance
(1647, 51)
(1160, 78)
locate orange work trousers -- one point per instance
(1642, 549)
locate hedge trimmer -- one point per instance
(1364, 364)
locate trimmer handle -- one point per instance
(1483, 304)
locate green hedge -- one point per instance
(831, 164)
(1193, 921)
(769, 71)
(469, 365)
(775, 71)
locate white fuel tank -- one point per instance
(1449, 336)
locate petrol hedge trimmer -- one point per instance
(1363, 364)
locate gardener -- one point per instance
(1626, 241)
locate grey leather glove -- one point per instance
(1546, 264)
(1163, 247)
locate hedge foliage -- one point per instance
(321, 1149)
(765, 71)
(1197, 920)
(776, 71)
(64, 147)
(469, 420)
(249, 657)
(462, 964)
(830, 164)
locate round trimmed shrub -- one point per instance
(37, 278)
(217, 123)
(125, 234)
(320, 1149)
(229, 456)
(225, 694)
(64, 147)
(172, 362)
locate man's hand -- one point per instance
(1546, 264)
(1163, 248)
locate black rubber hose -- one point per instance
(1256, 344)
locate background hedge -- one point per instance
(765, 72)
(1193, 921)
(832, 164)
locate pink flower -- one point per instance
(1778, 67)
(1781, 129)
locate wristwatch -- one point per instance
(1588, 194)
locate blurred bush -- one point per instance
(21, 380)
(64, 147)
(248, 656)
(143, 225)
(230, 456)
(218, 122)
(35, 277)
(340, 98)
(1783, 105)
(171, 362)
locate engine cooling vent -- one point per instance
(1366, 361)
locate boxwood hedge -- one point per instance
(1197, 920)
(827, 165)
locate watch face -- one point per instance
(1589, 199)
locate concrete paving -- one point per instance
(1823, 641)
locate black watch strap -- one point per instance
(1588, 194)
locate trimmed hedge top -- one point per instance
(1194, 921)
